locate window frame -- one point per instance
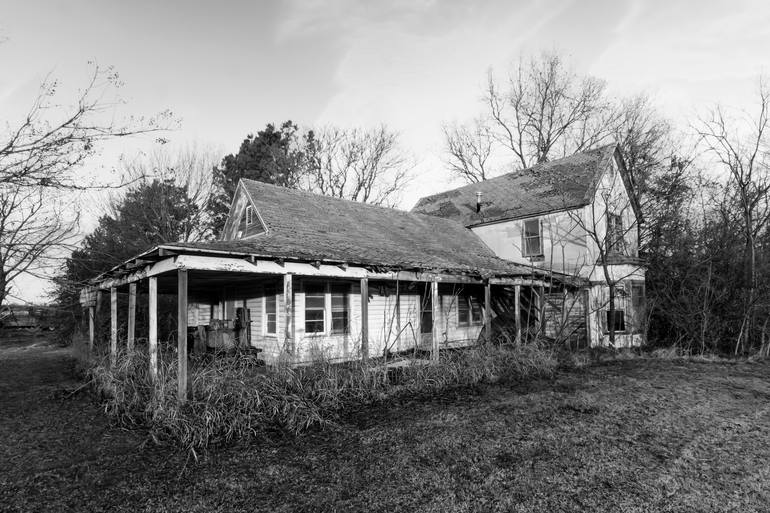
(328, 308)
(525, 238)
(323, 309)
(249, 215)
(265, 314)
(615, 240)
(468, 301)
(345, 307)
(622, 312)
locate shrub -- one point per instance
(235, 397)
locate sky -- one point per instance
(227, 68)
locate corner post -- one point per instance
(182, 334)
(517, 312)
(435, 315)
(113, 326)
(488, 311)
(131, 317)
(91, 328)
(365, 319)
(288, 305)
(153, 331)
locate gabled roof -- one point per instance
(306, 226)
(561, 184)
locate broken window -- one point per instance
(271, 311)
(468, 310)
(616, 320)
(533, 238)
(340, 314)
(315, 306)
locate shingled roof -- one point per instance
(311, 227)
(569, 182)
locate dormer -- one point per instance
(244, 220)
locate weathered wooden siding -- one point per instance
(563, 237)
(565, 318)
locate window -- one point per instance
(340, 316)
(271, 309)
(616, 321)
(533, 238)
(616, 243)
(638, 306)
(468, 310)
(249, 215)
(315, 307)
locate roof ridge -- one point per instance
(358, 204)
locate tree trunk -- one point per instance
(611, 315)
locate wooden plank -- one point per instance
(288, 303)
(155, 269)
(182, 335)
(113, 326)
(364, 319)
(131, 317)
(91, 328)
(587, 313)
(488, 311)
(153, 331)
(517, 311)
(435, 306)
(541, 317)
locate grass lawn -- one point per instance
(644, 435)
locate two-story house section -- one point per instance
(576, 215)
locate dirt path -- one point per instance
(57, 452)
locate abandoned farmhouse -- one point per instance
(298, 275)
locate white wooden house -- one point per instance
(299, 276)
(576, 216)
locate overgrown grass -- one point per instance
(235, 397)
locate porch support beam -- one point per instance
(131, 317)
(365, 319)
(91, 328)
(288, 304)
(488, 311)
(435, 305)
(153, 331)
(517, 311)
(113, 326)
(182, 334)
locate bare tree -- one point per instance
(33, 230)
(469, 150)
(740, 146)
(51, 141)
(40, 158)
(359, 165)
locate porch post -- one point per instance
(91, 328)
(541, 320)
(488, 311)
(435, 315)
(365, 319)
(113, 326)
(153, 332)
(288, 305)
(131, 316)
(517, 312)
(182, 334)
(587, 313)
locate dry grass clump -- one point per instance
(235, 397)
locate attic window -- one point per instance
(249, 215)
(533, 238)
